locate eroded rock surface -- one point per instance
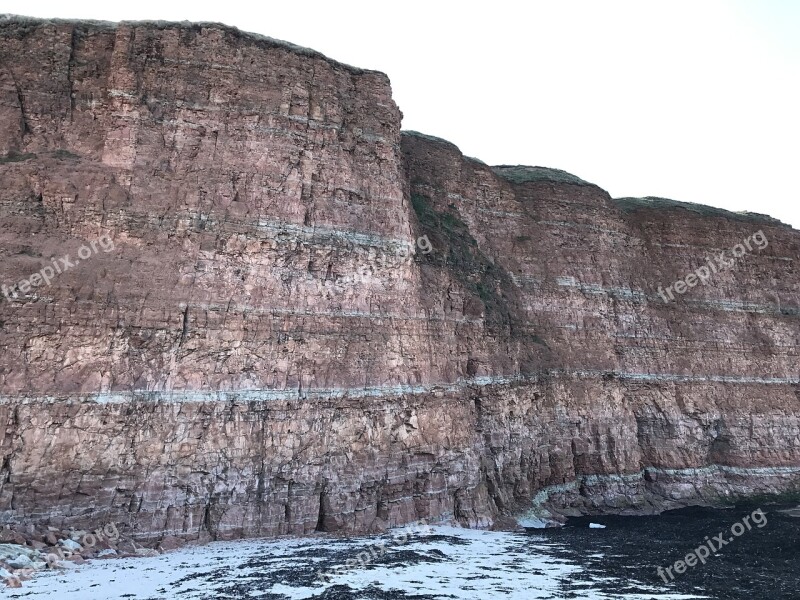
(252, 347)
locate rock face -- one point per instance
(278, 314)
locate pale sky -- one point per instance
(692, 100)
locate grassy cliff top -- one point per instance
(652, 202)
(430, 138)
(524, 174)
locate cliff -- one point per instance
(280, 315)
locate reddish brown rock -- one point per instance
(170, 542)
(9, 536)
(249, 348)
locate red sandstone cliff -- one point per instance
(254, 354)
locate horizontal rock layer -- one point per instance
(295, 318)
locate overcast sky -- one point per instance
(692, 100)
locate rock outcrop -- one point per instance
(248, 337)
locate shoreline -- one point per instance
(110, 544)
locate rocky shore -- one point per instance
(26, 550)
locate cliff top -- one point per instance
(430, 138)
(512, 173)
(652, 202)
(438, 140)
(7, 20)
(524, 174)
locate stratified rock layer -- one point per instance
(261, 352)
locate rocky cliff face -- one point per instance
(247, 336)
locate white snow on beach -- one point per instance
(447, 562)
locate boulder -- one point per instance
(170, 542)
(72, 545)
(9, 536)
(20, 562)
